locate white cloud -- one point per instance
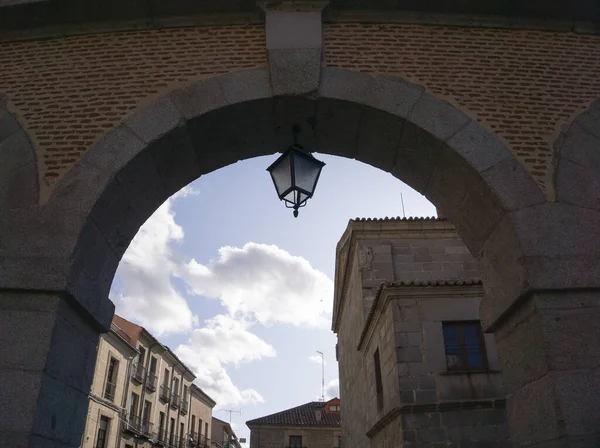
(223, 341)
(332, 389)
(256, 283)
(316, 358)
(148, 296)
(265, 283)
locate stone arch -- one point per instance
(577, 159)
(18, 169)
(384, 121)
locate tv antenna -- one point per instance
(402, 200)
(322, 376)
(232, 411)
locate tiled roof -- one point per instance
(399, 218)
(304, 415)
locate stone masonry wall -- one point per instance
(69, 91)
(353, 382)
(522, 85)
(278, 437)
(419, 256)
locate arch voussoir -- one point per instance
(578, 161)
(19, 185)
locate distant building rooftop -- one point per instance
(303, 415)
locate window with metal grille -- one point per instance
(465, 346)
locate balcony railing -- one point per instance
(184, 406)
(161, 436)
(137, 374)
(175, 401)
(151, 381)
(109, 391)
(135, 424)
(176, 442)
(147, 428)
(198, 441)
(165, 393)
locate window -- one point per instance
(110, 387)
(334, 409)
(133, 407)
(295, 441)
(205, 429)
(166, 378)
(181, 431)
(161, 426)
(465, 348)
(147, 411)
(102, 432)
(172, 431)
(200, 427)
(378, 381)
(153, 362)
(193, 428)
(142, 355)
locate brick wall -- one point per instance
(70, 91)
(523, 85)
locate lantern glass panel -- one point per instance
(306, 172)
(282, 175)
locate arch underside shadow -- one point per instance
(18, 167)
(385, 122)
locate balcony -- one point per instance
(175, 401)
(138, 373)
(109, 391)
(161, 436)
(165, 393)
(134, 424)
(146, 428)
(184, 406)
(198, 441)
(151, 381)
(138, 426)
(176, 442)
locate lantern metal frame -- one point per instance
(299, 151)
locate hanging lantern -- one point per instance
(295, 175)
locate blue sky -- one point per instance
(226, 276)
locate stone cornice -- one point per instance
(465, 288)
(363, 229)
(494, 403)
(331, 15)
(293, 5)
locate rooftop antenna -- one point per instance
(232, 411)
(402, 200)
(322, 376)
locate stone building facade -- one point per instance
(313, 425)
(419, 372)
(142, 395)
(109, 393)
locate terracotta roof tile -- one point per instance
(304, 415)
